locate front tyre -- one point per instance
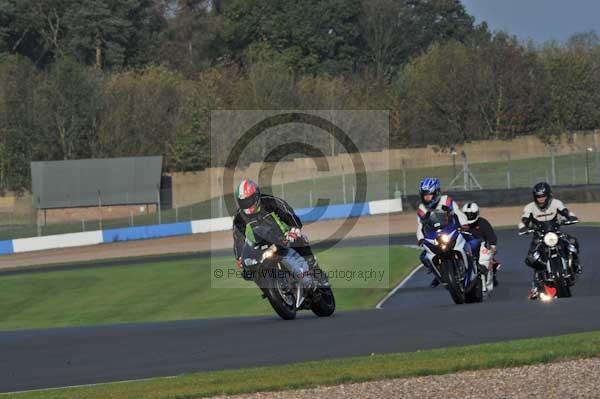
(323, 304)
(280, 297)
(285, 311)
(452, 276)
(562, 285)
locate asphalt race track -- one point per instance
(417, 317)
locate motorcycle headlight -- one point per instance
(443, 241)
(551, 239)
(268, 253)
(250, 262)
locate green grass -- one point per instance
(381, 185)
(171, 291)
(332, 372)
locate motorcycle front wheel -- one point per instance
(324, 305)
(452, 276)
(280, 297)
(562, 286)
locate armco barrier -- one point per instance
(6, 247)
(185, 228)
(210, 225)
(145, 232)
(333, 212)
(385, 206)
(57, 241)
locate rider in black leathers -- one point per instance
(257, 209)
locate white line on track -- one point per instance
(396, 288)
(89, 385)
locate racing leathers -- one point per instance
(483, 230)
(280, 215)
(446, 204)
(555, 211)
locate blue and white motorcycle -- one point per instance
(449, 251)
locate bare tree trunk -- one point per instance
(98, 51)
(191, 52)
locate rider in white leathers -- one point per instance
(544, 208)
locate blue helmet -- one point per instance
(430, 185)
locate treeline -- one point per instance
(107, 78)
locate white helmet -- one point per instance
(471, 210)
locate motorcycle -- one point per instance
(557, 255)
(453, 264)
(283, 275)
(486, 259)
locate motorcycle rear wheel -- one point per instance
(475, 294)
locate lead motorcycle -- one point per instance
(449, 252)
(556, 253)
(283, 276)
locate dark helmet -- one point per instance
(540, 190)
(247, 196)
(433, 186)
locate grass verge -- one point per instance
(332, 372)
(172, 290)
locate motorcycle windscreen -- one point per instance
(439, 221)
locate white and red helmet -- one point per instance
(248, 196)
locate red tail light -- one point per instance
(550, 291)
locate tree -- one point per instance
(189, 37)
(190, 149)
(33, 28)
(19, 132)
(584, 41)
(439, 105)
(141, 112)
(107, 33)
(436, 21)
(572, 87)
(383, 29)
(312, 35)
(70, 103)
(510, 97)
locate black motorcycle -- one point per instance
(284, 276)
(556, 254)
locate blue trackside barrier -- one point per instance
(341, 211)
(6, 247)
(146, 232)
(332, 212)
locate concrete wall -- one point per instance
(94, 213)
(189, 188)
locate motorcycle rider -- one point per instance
(481, 228)
(545, 208)
(430, 191)
(259, 209)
